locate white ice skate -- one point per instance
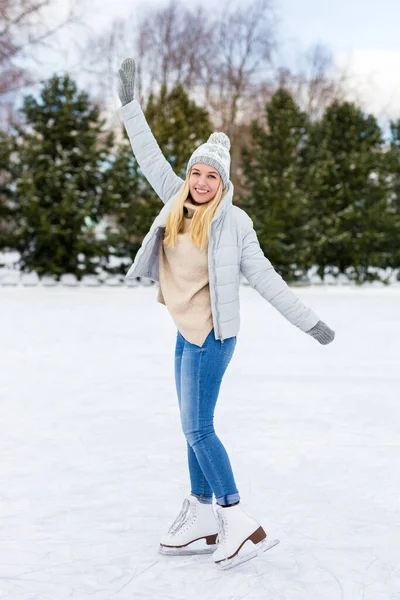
(240, 537)
(194, 531)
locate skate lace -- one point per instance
(221, 526)
(181, 518)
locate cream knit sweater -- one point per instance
(184, 285)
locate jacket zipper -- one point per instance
(219, 335)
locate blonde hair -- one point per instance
(200, 222)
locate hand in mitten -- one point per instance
(126, 85)
(322, 333)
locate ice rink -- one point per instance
(93, 460)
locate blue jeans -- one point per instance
(198, 375)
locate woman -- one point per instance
(196, 249)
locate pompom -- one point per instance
(218, 137)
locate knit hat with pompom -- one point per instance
(215, 152)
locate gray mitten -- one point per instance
(322, 333)
(126, 85)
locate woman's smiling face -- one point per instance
(203, 183)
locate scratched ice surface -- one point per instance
(93, 460)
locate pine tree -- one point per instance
(273, 194)
(7, 224)
(130, 205)
(395, 162)
(349, 189)
(62, 150)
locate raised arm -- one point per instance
(262, 276)
(152, 162)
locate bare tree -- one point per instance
(23, 26)
(240, 61)
(221, 57)
(173, 43)
(100, 58)
(169, 44)
(316, 84)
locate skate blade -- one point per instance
(197, 547)
(239, 559)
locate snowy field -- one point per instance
(93, 461)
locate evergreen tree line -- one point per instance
(323, 194)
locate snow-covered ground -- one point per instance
(93, 461)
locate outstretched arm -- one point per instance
(152, 162)
(262, 276)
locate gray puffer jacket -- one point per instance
(233, 246)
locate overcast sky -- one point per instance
(362, 34)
